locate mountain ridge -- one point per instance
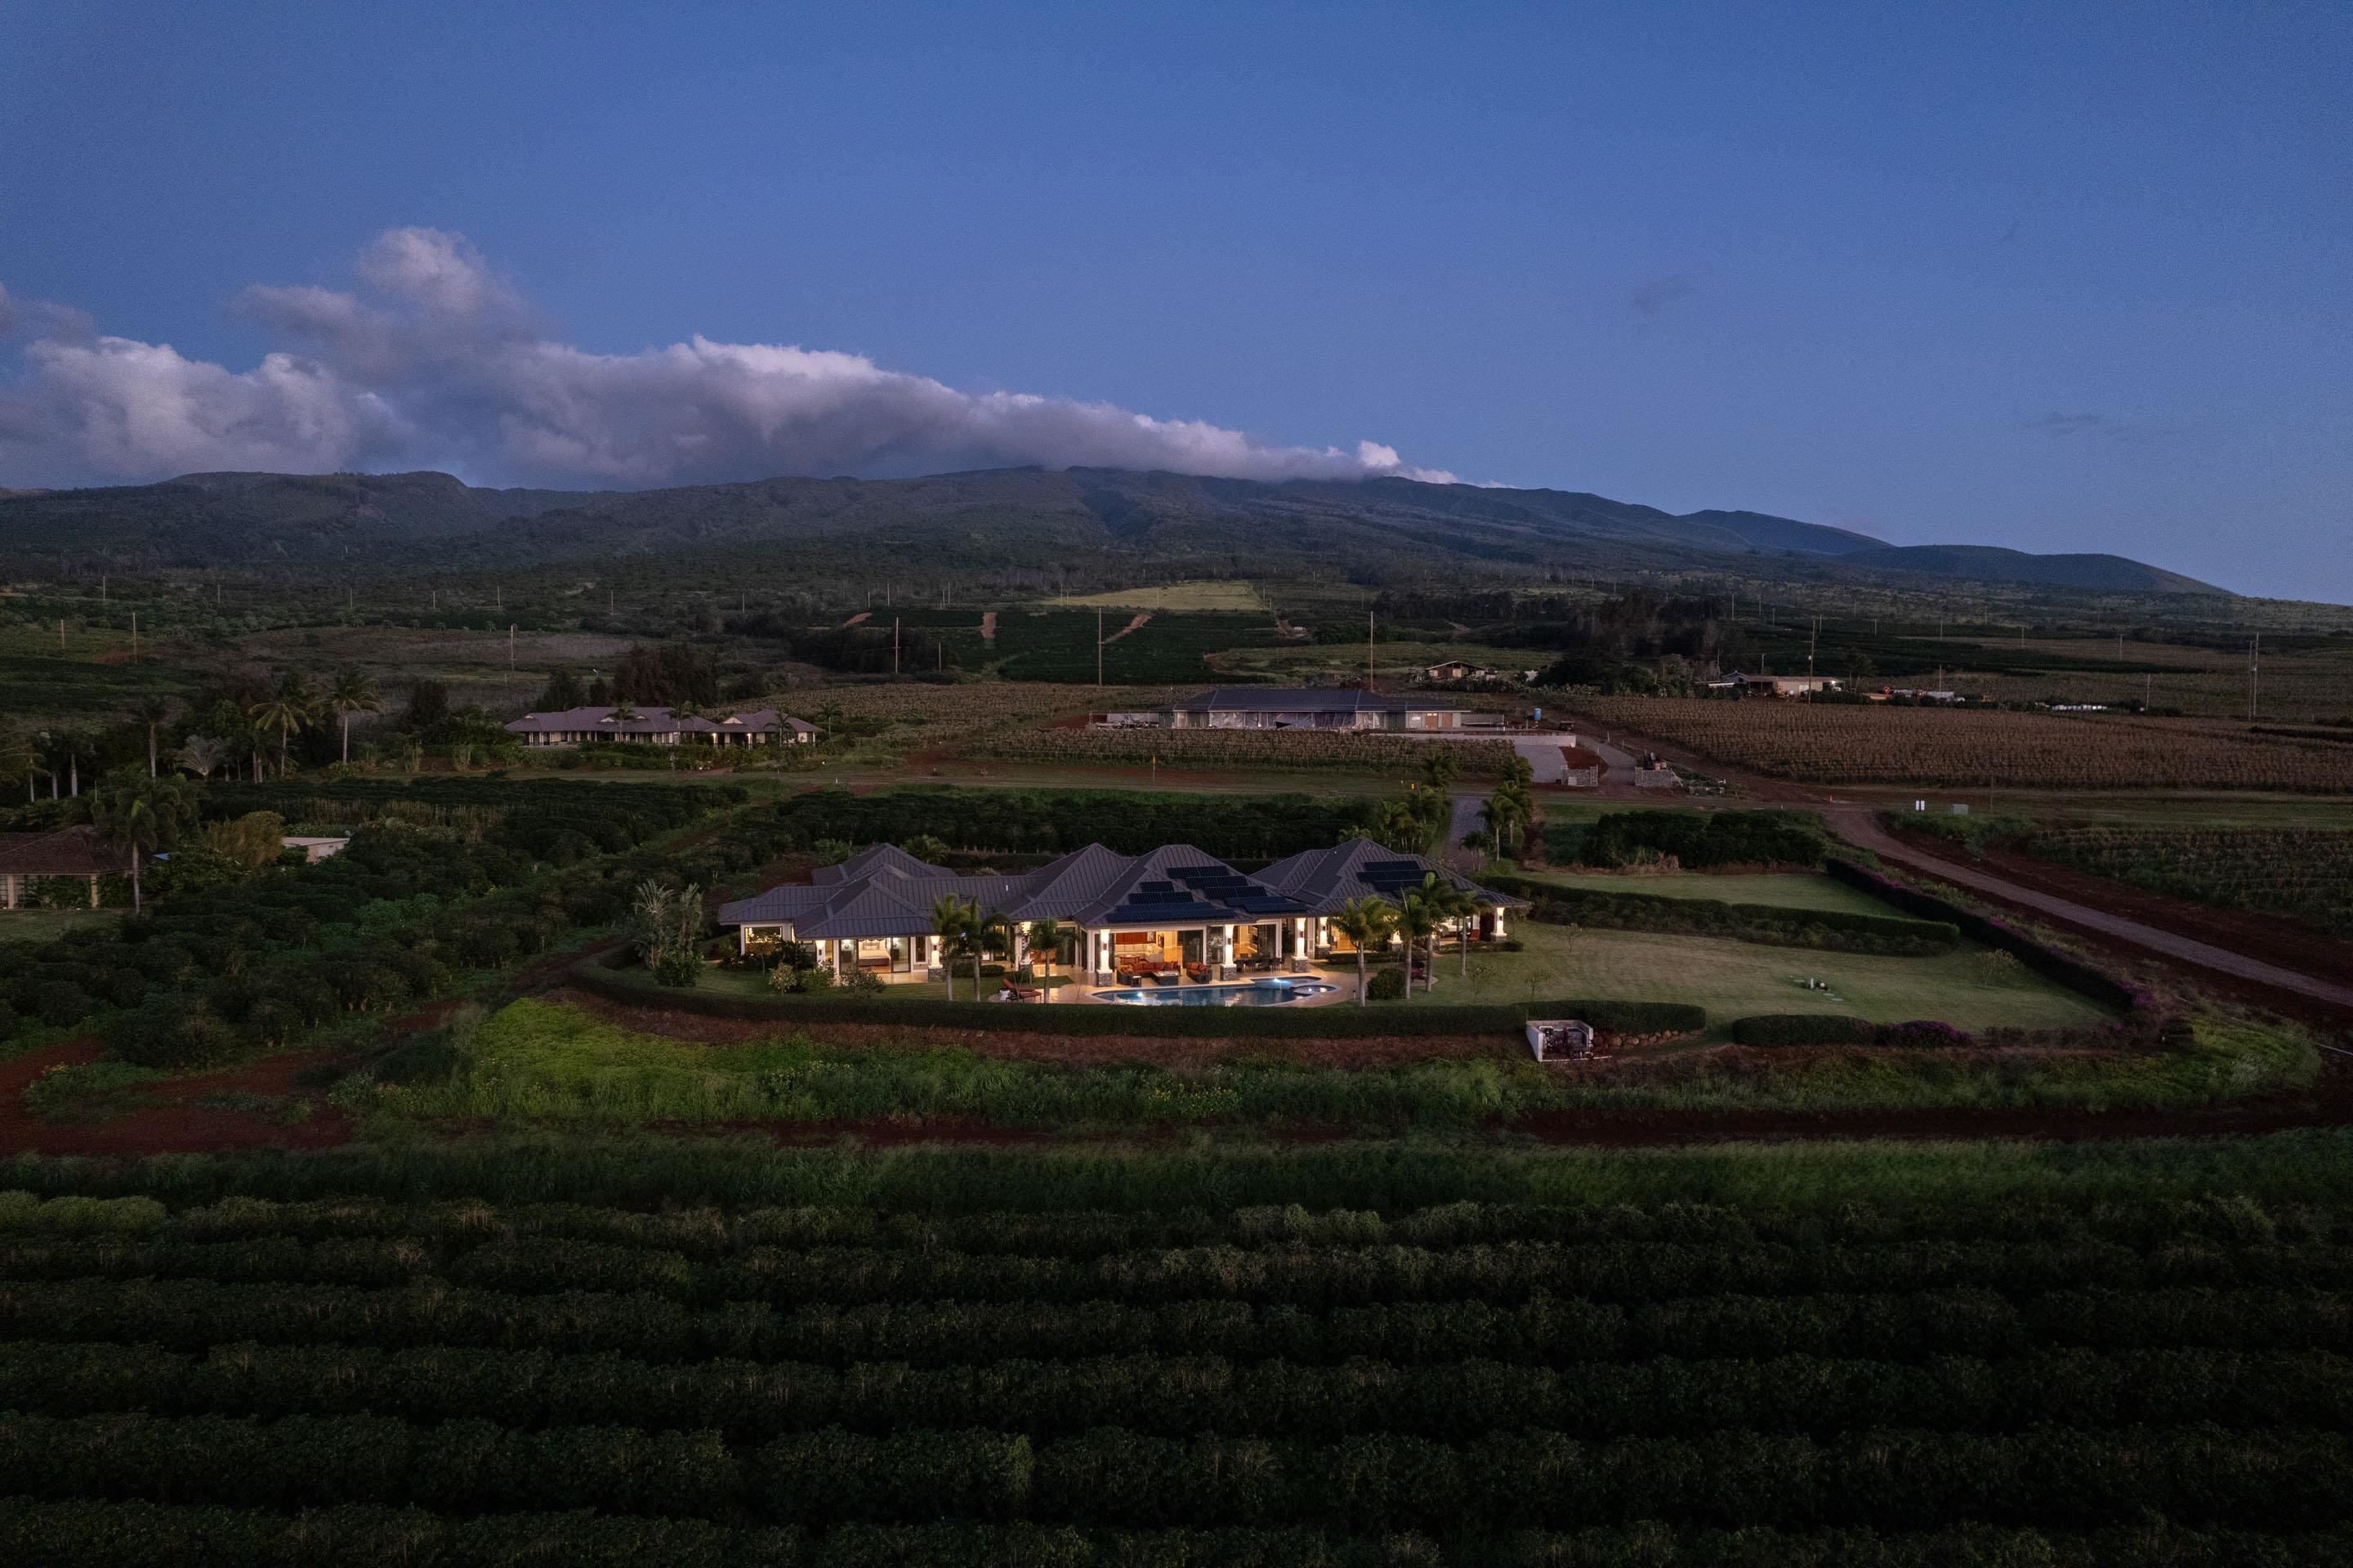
(430, 520)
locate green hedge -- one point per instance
(1802, 1029)
(1341, 1022)
(1894, 1477)
(1828, 931)
(91, 1533)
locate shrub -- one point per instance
(680, 969)
(1921, 1034)
(172, 1034)
(1389, 985)
(61, 1005)
(1802, 1029)
(7, 1021)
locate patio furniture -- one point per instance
(1229, 972)
(1170, 978)
(1197, 973)
(935, 974)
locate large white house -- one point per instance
(1306, 707)
(653, 725)
(1125, 916)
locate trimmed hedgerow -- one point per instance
(1802, 1029)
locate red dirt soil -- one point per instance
(170, 1121)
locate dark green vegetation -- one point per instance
(2301, 874)
(1697, 841)
(405, 1355)
(1233, 827)
(438, 881)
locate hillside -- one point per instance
(341, 523)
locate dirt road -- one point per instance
(1859, 825)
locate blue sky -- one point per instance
(2054, 277)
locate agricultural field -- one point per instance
(2300, 682)
(827, 1360)
(1398, 756)
(2302, 875)
(1836, 743)
(1052, 645)
(1220, 594)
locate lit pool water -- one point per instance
(1256, 993)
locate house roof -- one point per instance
(1293, 699)
(653, 719)
(62, 852)
(1328, 878)
(882, 891)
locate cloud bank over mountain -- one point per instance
(436, 361)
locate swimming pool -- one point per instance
(1256, 993)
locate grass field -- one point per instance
(1198, 595)
(41, 925)
(1973, 987)
(1795, 890)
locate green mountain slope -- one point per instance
(341, 523)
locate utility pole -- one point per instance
(894, 645)
(1098, 648)
(511, 631)
(1812, 633)
(1369, 649)
(2254, 674)
(134, 637)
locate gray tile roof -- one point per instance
(1328, 878)
(882, 891)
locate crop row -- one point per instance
(1187, 1395)
(704, 1233)
(1889, 1478)
(194, 1315)
(1847, 744)
(2306, 873)
(83, 1533)
(1510, 1272)
(1398, 756)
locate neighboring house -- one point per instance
(658, 726)
(1309, 707)
(1452, 670)
(1775, 685)
(26, 858)
(1175, 910)
(314, 849)
(1580, 768)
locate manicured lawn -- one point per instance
(42, 924)
(1973, 987)
(753, 983)
(1795, 890)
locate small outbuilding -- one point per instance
(1560, 1039)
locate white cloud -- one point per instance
(439, 363)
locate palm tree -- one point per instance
(200, 755)
(353, 692)
(1045, 936)
(1448, 902)
(953, 920)
(292, 706)
(66, 744)
(1439, 765)
(992, 932)
(1365, 922)
(19, 756)
(153, 711)
(1417, 918)
(1502, 815)
(139, 816)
